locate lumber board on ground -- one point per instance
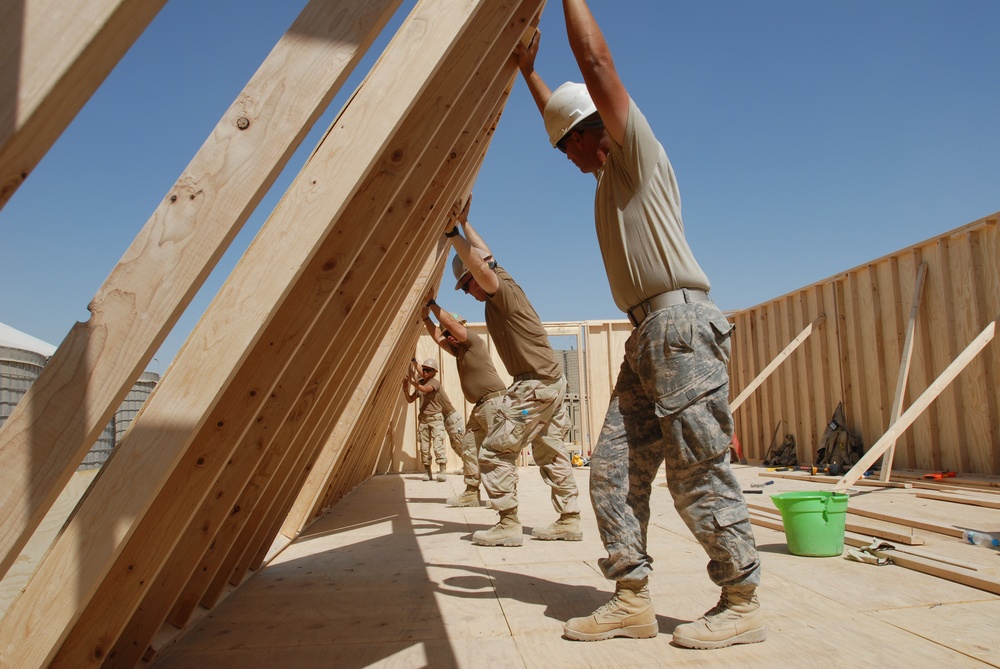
(960, 499)
(83, 383)
(909, 522)
(987, 484)
(822, 478)
(54, 56)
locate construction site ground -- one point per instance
(390, 578)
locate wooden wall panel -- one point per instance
(98, 361)
(434, 80)
(855, 357)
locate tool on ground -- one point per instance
(833, 470)
(761, 485)
(778, 469)
(937, 476)
(753, 492)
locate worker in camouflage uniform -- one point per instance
(670, 402)
(430, 417)
(481, 385)
(531, 411)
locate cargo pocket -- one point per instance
(695, 422)
(737, 545)
(507, 430)
(723, 331)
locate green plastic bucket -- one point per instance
(814, 521)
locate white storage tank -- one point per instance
(22, 358)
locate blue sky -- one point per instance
(808, 137)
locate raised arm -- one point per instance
(480, 270)
(407, 384)
(449, 323)
(525, 57)
(597, 67)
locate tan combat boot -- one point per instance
(630, 614)
(505, 533)
(566, 528)
(428, 476)
(470, 497)
(442, 475)
(737, 618)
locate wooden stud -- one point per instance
(776, 362)
(72, 400)
(915, 409)
(904, 369)
(55, 56)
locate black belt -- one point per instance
(638, 313)
(489, 396)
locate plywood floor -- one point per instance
(390, 578)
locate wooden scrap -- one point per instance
(959, 499)
(909, 522)
(822, 478)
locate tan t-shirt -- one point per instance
(518, 333)
(476, 370)
(430, 402)
(637, 209)
(446, 405)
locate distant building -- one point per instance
(571, 368)
(22, 358)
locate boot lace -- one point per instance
(719, 608)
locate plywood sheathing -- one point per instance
(390, 577)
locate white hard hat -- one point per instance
(460, 270)
(430, 363)
(567, 107)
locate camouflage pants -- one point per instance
(482, 416)
(532, 413)
(456, 430)
(430, 434)
(670, 406)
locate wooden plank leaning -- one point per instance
(904, 369)
(55, 55)
(241, 312)
(377, 242)
(774, 364)
(918, 407)
(64, 411)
